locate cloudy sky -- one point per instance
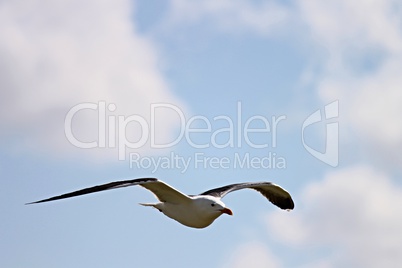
(201, 94)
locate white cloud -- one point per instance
(354, 213)
(232, 16)
(361, 63)
(340, 24)
(56, 54)
(252, 254)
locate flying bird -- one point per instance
(197, 211)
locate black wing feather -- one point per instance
(274, 193)
(98, 188)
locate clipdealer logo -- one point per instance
(220, 132)
(330, 155)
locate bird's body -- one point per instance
(197, 211)
(194, 213)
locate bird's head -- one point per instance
(213, 205)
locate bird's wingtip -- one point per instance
(37, 202)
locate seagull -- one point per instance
(196, 211)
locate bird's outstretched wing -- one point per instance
(274, 193)
(161, 190)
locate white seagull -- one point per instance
(197, 211)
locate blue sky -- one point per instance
(206, 59)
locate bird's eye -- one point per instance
(212, 205)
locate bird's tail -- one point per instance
(148, 205)
(151, 205)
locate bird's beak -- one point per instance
(227, 211)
